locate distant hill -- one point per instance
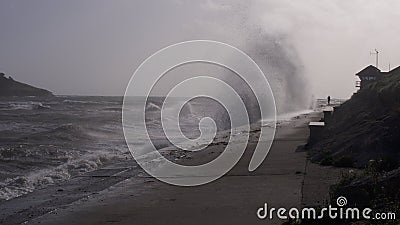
(10, 87)
(366, 127)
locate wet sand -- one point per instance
(232, 199)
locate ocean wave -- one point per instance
(116, 109)
(28, 106)
(79, 102)
(65, 132)
(152, 107)
(17, 186)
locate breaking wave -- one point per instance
(27, 106)
(20, 185)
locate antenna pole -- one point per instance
(377, 57)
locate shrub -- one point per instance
(344, 161)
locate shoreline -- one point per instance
(232, 199)
(99, 196)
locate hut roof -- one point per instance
(369, 71)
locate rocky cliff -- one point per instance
(366, 127)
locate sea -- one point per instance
(48, 140)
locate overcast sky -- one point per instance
(93, 47)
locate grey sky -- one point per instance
(93, 47)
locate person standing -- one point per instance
(329, 100)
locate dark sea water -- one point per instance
(48, 140)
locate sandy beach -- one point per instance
(233, 199)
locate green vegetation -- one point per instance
(365, 133)
(367, 127)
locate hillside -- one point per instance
(365, 127)
(10, 87)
